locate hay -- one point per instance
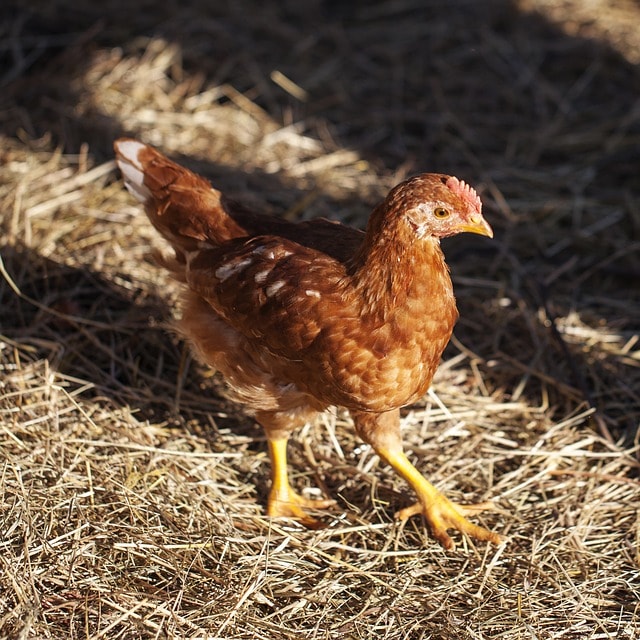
(132, 493)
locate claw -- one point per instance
(442, 514)
(284, 502)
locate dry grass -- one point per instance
(133, 493)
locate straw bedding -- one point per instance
(132, 492)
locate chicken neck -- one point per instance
(394, 270)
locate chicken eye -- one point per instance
(440, 212)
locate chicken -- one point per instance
(300, 317)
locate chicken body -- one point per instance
(299, 317)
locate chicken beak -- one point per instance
(477, 224)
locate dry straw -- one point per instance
(132, 493)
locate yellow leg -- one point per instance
(283, 500)
(440, 513)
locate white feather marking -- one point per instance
(271, 253)
(231, 268)
(133, 181)
(263, 251)
(130, 149)
(132, 170)
(312, 293)
(262, 276)
(272, 289)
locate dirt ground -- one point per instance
(133, 493)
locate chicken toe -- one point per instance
(441, 514)
(284, 502)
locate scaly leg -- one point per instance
(382, 431)
(283, 500)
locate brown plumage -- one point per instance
(299, 317)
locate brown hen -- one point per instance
(299, 317)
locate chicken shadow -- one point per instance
(113, 337)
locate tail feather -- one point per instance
(131, 168)
(191, 215)
(182, 206)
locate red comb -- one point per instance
(461, 188)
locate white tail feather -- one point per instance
(131, 169)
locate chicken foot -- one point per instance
(439, 512)
(283, 501)
(382, 431)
